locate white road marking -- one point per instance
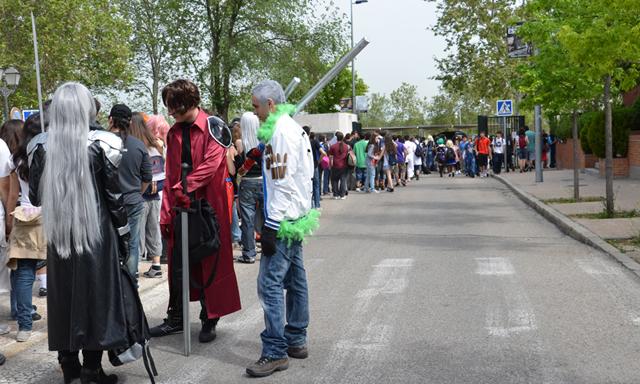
(366, 344)
(494, 266)
(596, 267)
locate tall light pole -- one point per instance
(353, 62)
(11, 80)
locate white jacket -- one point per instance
(288, 182)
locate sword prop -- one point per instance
(326, 79)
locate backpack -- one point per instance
(450, 154)
(419, 150)
(137, 329)
(441, 154)
(522, 141)
(351, 159)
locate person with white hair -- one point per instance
(287, 172)
(251, 195)
(85, 224)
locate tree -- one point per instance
(154, 25)
(80, 40)
(378, 114)
(476, 63)
(406, 106)
(603, 40)
(451, 108)
(240, 42)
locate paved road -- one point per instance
(445, 281)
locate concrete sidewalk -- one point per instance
(558, 184)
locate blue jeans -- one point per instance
(283, 270)
(361, 175)
(371, 178)
(325, 180)
(315, 201)
(236, 233)
(251, 198)
(21, 290)
(134, 214)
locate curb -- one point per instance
(571, 228)
(14, 348)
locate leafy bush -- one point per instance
(585, 123)
(622, 122)
(635, 119)
(564, 128)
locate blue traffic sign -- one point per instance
(28, 112)
(505, 107)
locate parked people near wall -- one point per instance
(531, 147)
(360, 150)
(499, 147)
(483, 147)
(339, 171)
(522, 150)
(401, 156)
(373, 156)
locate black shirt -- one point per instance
(134, 169)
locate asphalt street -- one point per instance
(444, 281)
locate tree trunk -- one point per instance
(576, 176)
(608, 135)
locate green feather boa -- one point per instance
(301, 228)
(266, 130)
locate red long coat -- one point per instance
(208, 181)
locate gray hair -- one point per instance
(269, 89)
(249, 124)
(69, 201)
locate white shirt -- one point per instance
(498, 145)
(5, 160)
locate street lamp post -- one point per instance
(353, 62)
(11, 80)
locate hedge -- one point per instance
(622, 122)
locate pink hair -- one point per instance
(158, 126)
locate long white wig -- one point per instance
(249, 124)
(69, 206)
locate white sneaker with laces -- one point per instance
(23, 336)
(4, 329)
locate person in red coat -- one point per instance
(206, 180)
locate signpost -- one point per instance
(504, 107)
(28, 112)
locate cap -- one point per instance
(121, 111)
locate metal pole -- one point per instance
(35, 50)
(6, 106)
(504, 144)
(576, 176)
(329, 76)
(184, 224)
(353, 67)
(538, 148)
(608, 139)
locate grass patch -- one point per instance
(571, 200)
(626, 245)
(603, 215)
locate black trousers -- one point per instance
(497, 162)
(339, 181)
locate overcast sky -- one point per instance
(401, 46)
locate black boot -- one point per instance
(70, 368)
(89, 376)
(208, 332)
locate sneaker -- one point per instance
(300, 352)
(246, 260)
(35, 316)
(4, 329)
(358, 190)
(2, 359)
(376, 191)
(153, 272)
(42, 292)
(208, 331)
(265, 366)
(23, 336)
(343, 198)
(165, 329)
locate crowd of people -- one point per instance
(81, 201)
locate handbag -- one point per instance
(351, 159)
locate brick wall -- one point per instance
(564, 155)
(634, 155)
(620, 167)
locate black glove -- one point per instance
(268, 240)
(123, 247)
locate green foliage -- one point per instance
(79, 40)
(586, 120)
(450, 108)
(561, 126)
(635, 119)
(407, 107)
(476, 61)
(622, 120)
(378, 114)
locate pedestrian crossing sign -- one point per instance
(505, 107)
